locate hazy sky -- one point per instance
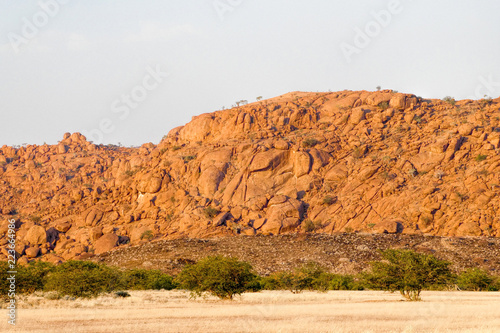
(129, 71)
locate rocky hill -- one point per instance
(371, 162)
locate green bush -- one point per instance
(122, 293)
(189, 158)
(344, 282)
(29, 278)
(328, 200)
(83, 279)
(450, 100)
(309, 143)
(383, 105)
(4, 283)
(33, 277)
(148, 235)
(310, 276)
(211, 212)
(144, 279)
(408, 272)
(480, 158)
(219, 276)
(280, 281)
(309, 225)
(475, 279)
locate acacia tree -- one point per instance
(408, 272)
(219, 276)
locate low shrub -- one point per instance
(310, 276)
(384, 105)
(345, 282)
(309, 226)
(450, 100)
(328, 200)
(408, 272)
(217, 275)
(148, 235)
(480, 158)
(83, 279)
(122, 293)
(211, 212)
(309, 143)
(33, 277)
(476, 279)
(144, 279)
(28, 279)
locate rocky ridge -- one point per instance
(372, 162)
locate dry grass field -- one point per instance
(268, 311)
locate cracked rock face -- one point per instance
(376, 162)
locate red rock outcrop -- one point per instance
(302, 162)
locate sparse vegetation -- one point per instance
(400, 270)
(384, 105)
(480, 158)
(449, 100)
(29, 278)
(147, 235)
(211, 212)
(329, 200)
(35, 218)
(309, 143)
(122, 293)
(358, 152)
(129, 173)
(310, 276)
(82, 279)
(408, 272)
(309, 225)
(188, 158)
(219, 276)
(476, 279)
(144, 279)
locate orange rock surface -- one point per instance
(302, 162)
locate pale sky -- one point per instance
(89, 65)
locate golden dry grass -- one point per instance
(335, 311)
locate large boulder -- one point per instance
(209, 181)
(357, 115)
(93, 217)
(105, 243)
(282, 216)
(267, 160)
(150, 184)
(36, 235)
